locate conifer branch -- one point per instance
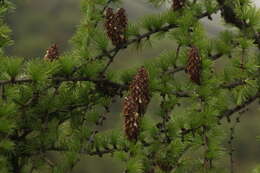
(111, 58)
(226, 114)
(61, 79)
(16, 81)
(182, 68)
(223, 86)
(114, 84)
(230, 112)
(139, 38)
(48, 161)
(233, 84)
(230, 17)
(70, 108)
(99, 153)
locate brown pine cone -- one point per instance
(136, 103)
(132, 118)
(139, 89)
(116, 25)
(121, 18)
(193, 67)
(178, 4)
(109, 14)
(52, 53)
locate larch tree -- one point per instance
(58, 102)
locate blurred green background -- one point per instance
(37, 24)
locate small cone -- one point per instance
(177, 4)
(52, 53)
(193, 67)
(116, 25)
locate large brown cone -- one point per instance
(52, 53)
(139, 89)
(193, 67)
(132, 118)
(116, 25)
(178, 4)
(136, 103)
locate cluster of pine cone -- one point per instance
(135, 103)
(193, 67)
(178, 4)
(52, 53)
(116, 25)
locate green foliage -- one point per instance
(13, 67)
(249, 13)
(39, 70)
(5, 31)
(256, 170)
(134, 165)
(152, 23)
(67, 64)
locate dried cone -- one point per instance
(109, 14)
(177, 4)
(136, 103)
(116, 25)
(193, 67)
(139, 89)
(121, 19)
(52, 53)
(132, 118)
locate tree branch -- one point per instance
(90, 153)
(138, 39)
(108, 54)
(227, 113)
(230, 17)
(237, 108)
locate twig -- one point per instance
(226, 113)
(229, 112)
(49, 162)
(91, 153)
(181, 68)
(111, 59)
(231, 138)
(207, 162)
(178, 51)
(233, 84)
(60, 79)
